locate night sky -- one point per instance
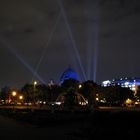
(99, 39)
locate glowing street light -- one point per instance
(97, 99)
(35, 83)
(14, 93)
(80, 86)
(20, 97)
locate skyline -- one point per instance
(40, 39)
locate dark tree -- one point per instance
(116, 95)
(28, 92)
(54, 91)
(5, 93)
(42, 92)
(70, 99)
(70, 83)
(138, 92)
(87, 88)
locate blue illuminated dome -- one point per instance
(69, 74)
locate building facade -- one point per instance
(131, 83)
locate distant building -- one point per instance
(51, 83)
(131, 83)
(69, 74)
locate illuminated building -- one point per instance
(131, 83)
(69, 74)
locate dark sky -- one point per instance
(99, 39)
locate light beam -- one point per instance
(16, 54)
(77, 55)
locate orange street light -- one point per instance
(20, 97)
(14, 93)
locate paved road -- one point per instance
(106, 108)
(26, 107)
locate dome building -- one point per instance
(69, 74)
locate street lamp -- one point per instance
(35, 83)
(21, 98)
(14, 93)
(80, 86)
(97, 99)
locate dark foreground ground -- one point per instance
(78, 125)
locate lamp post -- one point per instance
(14, 93)
(21, 98)
(35, 83)
(80, 86)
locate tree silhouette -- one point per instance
(5, 93)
